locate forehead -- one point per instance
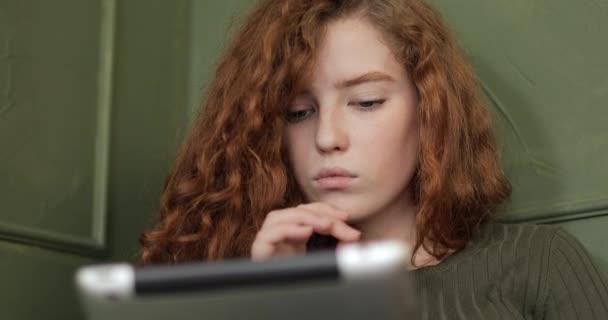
(351, 47)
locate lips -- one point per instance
(334, 178)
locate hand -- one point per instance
(286, 231)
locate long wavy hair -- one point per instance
(232, 168)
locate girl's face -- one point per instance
(358, 115)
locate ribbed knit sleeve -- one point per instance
(575, 288)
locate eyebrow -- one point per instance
(367, 77)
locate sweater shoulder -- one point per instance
(509, 244)
(494, 233)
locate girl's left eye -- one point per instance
(299, 115)
(369, 104)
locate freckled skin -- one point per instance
(378, 144)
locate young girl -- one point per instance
(338, 121)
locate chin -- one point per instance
(358, 205)
(356, 209)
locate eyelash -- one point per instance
(374, 104)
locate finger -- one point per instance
(323, 218)
(266, 242)
(326, 226)
(338, 228)
(299, 216)
(284, 233)
(325, 208)
(343, 232)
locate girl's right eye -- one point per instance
(299, 115)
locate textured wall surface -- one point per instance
(54, 122)
(543, 67)
(92, 104)
(544, 71)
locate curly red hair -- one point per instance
(232, 168)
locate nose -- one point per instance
(332, 131)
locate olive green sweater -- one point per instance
(515, 272)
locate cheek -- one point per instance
(297, 150)
(392, 146)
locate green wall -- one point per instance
(95, 96)
(93, 101)
(543, 68)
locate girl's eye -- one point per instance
(369, 104)
(300, 115)
(296, 116)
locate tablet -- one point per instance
(356, 281)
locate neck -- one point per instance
(396, 222)
(393, 222)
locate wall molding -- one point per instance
(94, 244)
(562, 212)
